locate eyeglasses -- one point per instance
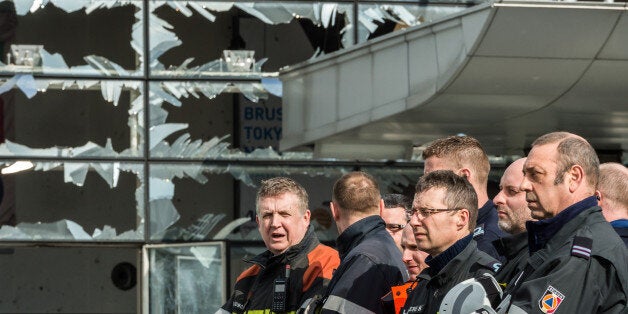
(395, 227)
(426, 212)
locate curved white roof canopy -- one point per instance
(503, 72)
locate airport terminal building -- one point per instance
(135, 132)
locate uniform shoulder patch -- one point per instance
(496, 266)
(581, 247)
(550, 300)
(478, 231)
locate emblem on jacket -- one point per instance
(238, 305)
(550, 300)
(414, 309)
(496, 266)
(478, 231)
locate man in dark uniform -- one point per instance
(513, 212)
(613, 196)
(443, 217)
(296, 267)
(394, 214)
(577, 262)
(465, 156)
(371, 263)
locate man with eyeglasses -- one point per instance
(394, 214)
(443, 217)
(465, 156)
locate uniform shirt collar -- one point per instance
(353, 235)
(290, 254)
(540, 232)
(620, 223)
(439, 261)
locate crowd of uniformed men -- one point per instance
(549, 242)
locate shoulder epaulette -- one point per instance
(582, 247)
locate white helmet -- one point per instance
(474, 295)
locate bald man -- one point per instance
(513, 212)
(612, 192)
(577, 262)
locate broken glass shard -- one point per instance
(205, 254)
(163, 214)
(228, 229)
(75, 173)
(159, 132)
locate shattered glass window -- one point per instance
(200, 120)
(244, 39)
(71, 118)
(190, 119)
(191, 202)
(72, 37)
(378, 19)
(71, 201)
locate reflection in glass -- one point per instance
(186, 278)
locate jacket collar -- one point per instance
(441, 260)
(290, 254)
(354, 234)
(511, 245)
(540, 232)
(620, 223)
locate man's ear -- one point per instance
(307, 215)
(257, 219)
(334, 211)
(381, 206)
(465, 172)
(463, 219)
(575, 176)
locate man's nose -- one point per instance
(275, 220)
(499, 198)
(525, 184)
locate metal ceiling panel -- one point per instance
(353, 75)
(518, 76)
(617, 45)
(390, 72)
(549, 30)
